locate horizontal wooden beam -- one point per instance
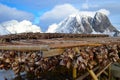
(42, 47)
(70, 45)
(24, 47)
(53, 52)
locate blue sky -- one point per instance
(47, 12)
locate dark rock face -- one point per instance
(74, 26)
(86, 22)
(117, 33)
(102, 23)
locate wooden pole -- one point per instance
(109, 77)
(92, 74)
(74, 73)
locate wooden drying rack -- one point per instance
(57, 50)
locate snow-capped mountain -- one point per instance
(13, 26)
(97, 23)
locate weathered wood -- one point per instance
(24, 47)
(92, 74)
(52, 52)
(109, 73)
(98, 74)
(9, 38)
(41, 47)
(66, 45)
(74, 73)
(106, 73)
(47, 52)
(86, 74)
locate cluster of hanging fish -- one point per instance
(26, 62)
(89, 57)
(79, 57)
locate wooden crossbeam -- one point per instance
(24, 47)
(98, 74)
(86, 74)
(91, 72)
(66, 45)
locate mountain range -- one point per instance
(98, 23)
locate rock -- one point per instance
(115, 70)
(101, 23)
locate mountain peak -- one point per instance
(99, 14)
(101, 23)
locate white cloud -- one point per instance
(87, 13)
(52, 28)
(104, 11)
(92, 13)
(59, 12)
(9, 13)
(14, 26)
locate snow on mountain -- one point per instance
(14, 26)
(96, 23)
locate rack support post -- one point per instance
(92, 74)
